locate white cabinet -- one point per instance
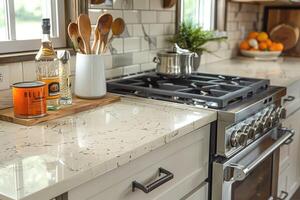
(186, 158)
(289, 171)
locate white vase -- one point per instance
(90, 82)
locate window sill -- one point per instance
(24, 56)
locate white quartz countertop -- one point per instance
(283, 72)
(44, 161)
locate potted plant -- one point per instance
(193, 38)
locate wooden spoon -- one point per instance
(104, 26)
(73, 34)
(96, 36)
(117, 28)
(85, 29)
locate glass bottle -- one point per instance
(64, 77)
(48, 68)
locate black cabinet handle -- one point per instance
(151, 186)
(284, 195)
(289, 99)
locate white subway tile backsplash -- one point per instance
(169, 29)
(132, 44)
(144, 44)
(131, 16)
(108, 61)
(122, 4)
(162, 42)
(117, 44)
(156, 5)
(131, 69)
(15, 73)
(141, 4)
(148, 66)
(148, 17)
(156, 29)
(115, 72)
(29, 71)
(164, 17)
(140, 57)
(138, 30)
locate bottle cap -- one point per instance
(63, 56)
(46, 25)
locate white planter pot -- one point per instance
(90, 82)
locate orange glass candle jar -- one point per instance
(29, 99)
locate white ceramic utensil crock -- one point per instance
(90, 80)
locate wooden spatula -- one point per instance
(104, 26)
(85, 29)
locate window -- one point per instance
(20, 24)
(199, 12)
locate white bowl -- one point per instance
(262, 55)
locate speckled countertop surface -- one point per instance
(46, 160)
(283, 72)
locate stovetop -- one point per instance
(199, 89)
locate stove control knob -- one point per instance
(282, 113)
(238, 138)
(252, 132)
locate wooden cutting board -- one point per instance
(286, 34)
(288, 15)
(169, 3)
(79, 105)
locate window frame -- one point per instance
(58, 20)
(219, 15)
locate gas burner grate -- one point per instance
(209, 90)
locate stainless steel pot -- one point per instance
(174, 64)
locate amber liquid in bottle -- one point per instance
(48, 68)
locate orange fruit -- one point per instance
(263, 46)
(244, 45)
(276, 47)
(269, 43)
(252, 35)
(253, 49)
(263, 36)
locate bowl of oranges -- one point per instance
(259, 46)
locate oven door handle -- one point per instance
(240, 172)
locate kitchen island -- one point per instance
(47, 160)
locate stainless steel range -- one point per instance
(246, 138)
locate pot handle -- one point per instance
(156, 60)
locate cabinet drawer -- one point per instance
(292, 100)
(186, 158)
(200, 193)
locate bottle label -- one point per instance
(53, 88)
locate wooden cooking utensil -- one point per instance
(104, 26)
(85, 29)
(81, 45)
(73, 34)
(118, 27)
(286, 34)
(96, 39)
(97, 1)
(169, 3)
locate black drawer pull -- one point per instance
(151, 186)
(284, 194)
(289, 99)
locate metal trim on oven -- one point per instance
(225, 173)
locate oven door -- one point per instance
(253, 172)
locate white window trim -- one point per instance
(202, 8)
(13, 46)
